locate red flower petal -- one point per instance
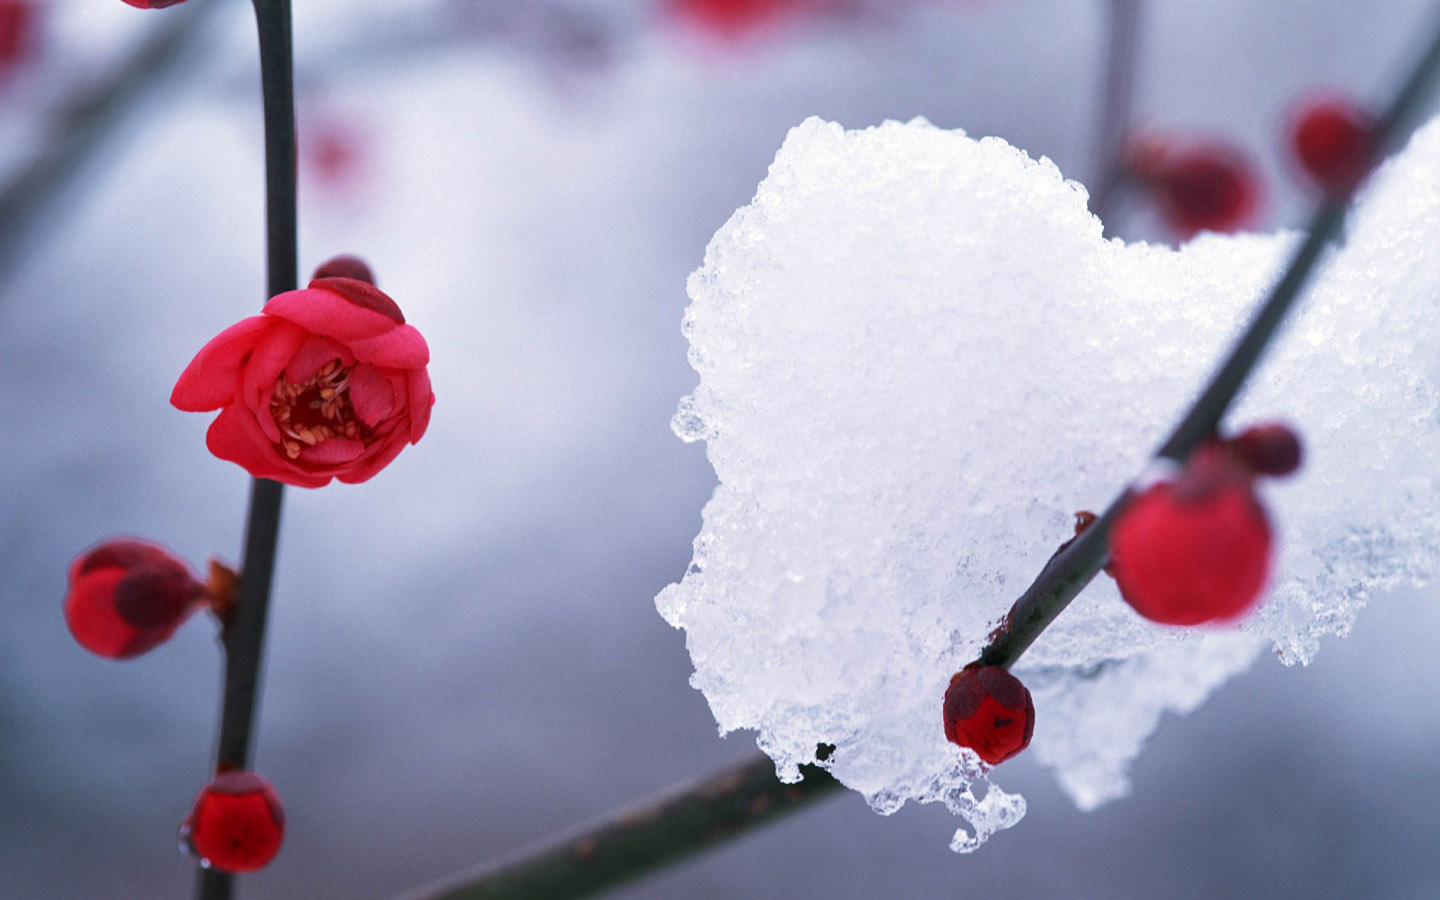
(267, 362)
(381, 455)
(361, 292)
(328, 313)
(311, 355)
(420, 401)
(235, 436)
(209, 382)
(333, 452)
(402, 348)
(371, 395)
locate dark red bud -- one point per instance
(1272, 449)
(345, 266)
(1333, 140)
(1207, 186)
(989, 711)
(127, 596)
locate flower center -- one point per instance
(315, 411)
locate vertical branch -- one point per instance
(244, 634)
(1117, 100)
(277, 84)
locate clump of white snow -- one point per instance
(918, 358)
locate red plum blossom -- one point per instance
(327, 382)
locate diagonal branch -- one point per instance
(78, 131)
(629, 843)
(1071, 569)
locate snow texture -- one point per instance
(918, 358)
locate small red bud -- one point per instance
(1206, 187)
(237, 824)
(127, 596)
(734, 18)
(334, 151)
(17, 31)
(152, 4)
(1272, 449)
(1333, 140)
(989, 711)
(1196, 549)
(345, 266)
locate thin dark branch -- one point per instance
(277, 82)
(78, 131)
(1117, 100)
(632, 842)
(1071, 569)
(244, 635)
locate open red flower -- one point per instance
(128, 596)
(327, 382)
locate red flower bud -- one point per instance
(1206, 187)
(345, 266)
(733, 18)
(17, 30)
(1196, 549)
(1272, 449)
(327, 382)
(127, 596)
(237, 824)
(988, 710)
(1333, 141)
(334, 152)
(152, 4)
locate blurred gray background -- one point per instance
(464, 654)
